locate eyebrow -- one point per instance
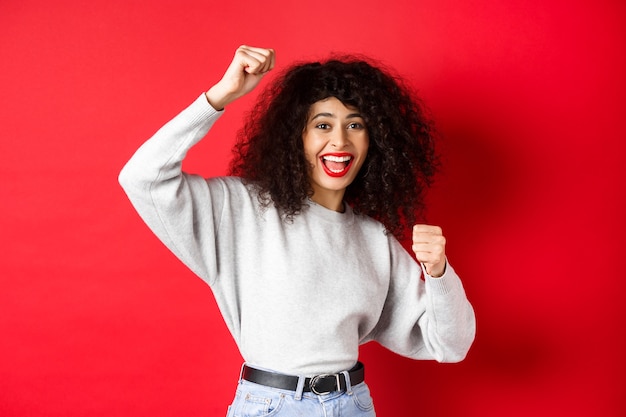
(331, 115)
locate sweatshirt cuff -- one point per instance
(203, 109)
(444, 284)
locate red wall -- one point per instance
(98, 319)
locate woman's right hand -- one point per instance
(244, 73)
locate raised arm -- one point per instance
(176, 205)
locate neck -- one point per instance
(332, 201)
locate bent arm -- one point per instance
(173, 204)
(448, 325)
(428, 318)
(182, 210)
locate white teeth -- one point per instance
(337, 158)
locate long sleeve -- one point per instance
(173, 204)
(428, 318)
(248, 254)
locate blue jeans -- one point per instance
(253, 400)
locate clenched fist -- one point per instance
(429, 246)
(246, 70)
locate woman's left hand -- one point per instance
(429, 246)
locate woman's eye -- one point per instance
(355, 125)
(323, 126)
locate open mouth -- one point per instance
(336, 165)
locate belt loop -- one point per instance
(300, 388)
(241, 372)
(346, 375)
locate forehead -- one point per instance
(332, 106)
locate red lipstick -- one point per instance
(336, 164)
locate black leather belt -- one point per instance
(320, 384)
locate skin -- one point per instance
(332, 128)
(334, 131)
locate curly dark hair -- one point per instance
(401, 158)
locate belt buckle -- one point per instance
(318, 377)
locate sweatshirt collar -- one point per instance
(331, 216)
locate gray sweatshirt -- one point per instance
(298, 297)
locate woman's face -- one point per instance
(335, 145)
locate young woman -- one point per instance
(300, 245)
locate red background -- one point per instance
(97, 318)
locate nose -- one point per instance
(339, 139)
